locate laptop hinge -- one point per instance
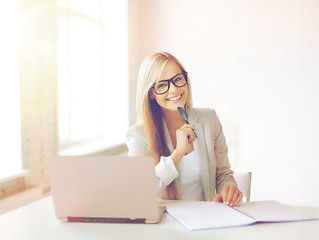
(105, 220)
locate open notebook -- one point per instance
(210, 215)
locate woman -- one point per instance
(187, 167)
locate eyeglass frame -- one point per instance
(171, 81)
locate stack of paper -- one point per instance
(210, 215)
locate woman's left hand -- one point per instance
(230, 195)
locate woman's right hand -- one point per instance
(185, 137)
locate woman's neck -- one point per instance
(173, 119)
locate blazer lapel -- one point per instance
(200, 150)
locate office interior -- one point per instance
(69, 73)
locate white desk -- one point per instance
(37, 221)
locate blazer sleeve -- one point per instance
(137, 145)
(224, 174)
(136, 142)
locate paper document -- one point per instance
(210, 215)
(271, 211)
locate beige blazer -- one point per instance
(210, 147)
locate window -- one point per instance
(92, 75)
(10, 138)
(69, 53)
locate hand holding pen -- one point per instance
(185, 136)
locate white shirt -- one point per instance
(191, 185)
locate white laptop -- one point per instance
(108, 189)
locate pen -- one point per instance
(181, 112)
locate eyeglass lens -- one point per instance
(163, 85)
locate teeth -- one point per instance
(175, 98)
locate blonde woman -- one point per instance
(187, 167)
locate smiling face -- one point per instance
(175, 96)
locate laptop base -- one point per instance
(105, 220)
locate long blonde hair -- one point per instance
(150, 113)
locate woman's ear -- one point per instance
(151, 93)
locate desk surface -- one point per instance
(37, 221)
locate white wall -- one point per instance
(257, 64)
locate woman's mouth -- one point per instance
(175, 98)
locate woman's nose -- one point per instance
(173, 88)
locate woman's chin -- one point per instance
(173, 107)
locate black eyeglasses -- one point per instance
(162, 86)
